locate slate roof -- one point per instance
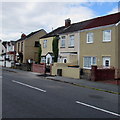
(54, 32)
(92, 23)
(29, 35)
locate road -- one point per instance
(26, 95)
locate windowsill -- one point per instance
(106, 41)
(70, 46)
(62, 47)
(89, 42)
(87, 68)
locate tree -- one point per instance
(39, 54)
(55, 48)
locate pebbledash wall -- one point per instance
(66, 71)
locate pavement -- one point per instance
(100, 86)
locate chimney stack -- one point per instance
(23, 36)
(67, 22)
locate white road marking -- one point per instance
(29, 86)
(98, 108)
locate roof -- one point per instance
(54, 32)
(92, 23)
(50, 54)
(29, 35)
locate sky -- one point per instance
(26, 17)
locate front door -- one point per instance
(106, 61)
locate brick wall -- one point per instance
(102, 74)
(39, 68)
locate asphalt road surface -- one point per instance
(26, 95)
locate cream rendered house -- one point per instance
(69, 44)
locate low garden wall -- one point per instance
(65, 70)
(39, 68)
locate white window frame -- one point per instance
(92, 62)
(71, 40)
(104, 37)
(62, 43)
(90, 37)
(104, 59)
(45, 44)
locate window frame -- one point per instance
(44, 43)
(91, 61)
(87, 40)
(105, 40)
(73, 41)
(104, 59)
(62, 41)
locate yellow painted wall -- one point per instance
(98, 48)
(49, 45)
(66, 71)
(29, 49)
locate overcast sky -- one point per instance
(27, 17)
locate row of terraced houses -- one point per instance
(81, 45)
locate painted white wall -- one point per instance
(49, 57)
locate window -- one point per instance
(106, 61)
(44, 43)
(21, 46)
(18, 47)
(90, 37)
(106, 35)
(37, 44)
(63, 41)
(71, 42)
(43, 60)
(88, 61)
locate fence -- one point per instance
(102, 73)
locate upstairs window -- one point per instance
(63, 41)
(37, 44)
(106, 35)
(18, 47)
(71, 42)
(44, 43)
(90, 37)
(21, 46)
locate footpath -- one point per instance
(99, 86)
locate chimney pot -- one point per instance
(67, 22)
